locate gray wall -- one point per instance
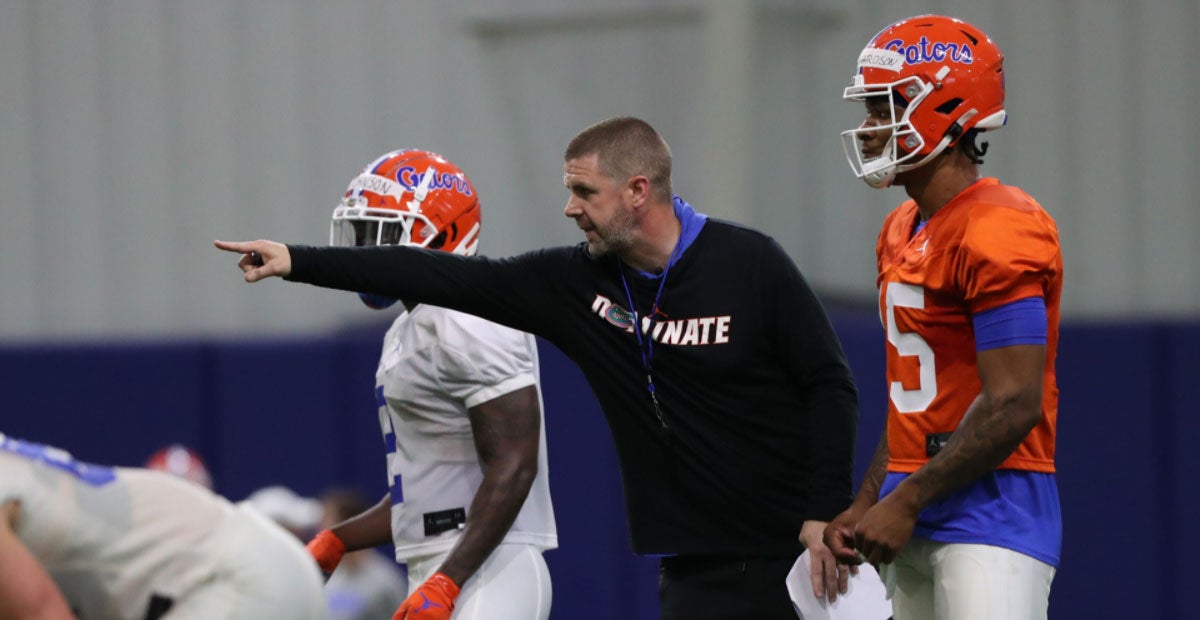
(134, 132)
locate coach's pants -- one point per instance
(956, 581)
(694, 587)
(512, 584)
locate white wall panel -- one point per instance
(1102, 234)
(18, 208)
(68, 277)
(1165, 153)
(203, 200)
(806, 195)
(134, 176)
(554, 77)
(136, 131)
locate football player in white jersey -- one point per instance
(134, 543)
(460, 409)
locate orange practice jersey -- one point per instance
(989, 246)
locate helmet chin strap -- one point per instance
(414, 205)
(422, 190)
(880, 178)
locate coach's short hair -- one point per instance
(624, 147)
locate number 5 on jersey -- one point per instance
(909, 344)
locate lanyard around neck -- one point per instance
(646, 343)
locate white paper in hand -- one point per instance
(865, 598)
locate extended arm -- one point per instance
(26, 590)
(517, 292)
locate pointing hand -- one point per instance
(260, 259)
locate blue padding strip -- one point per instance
(1020, 322)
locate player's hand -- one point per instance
(885, 528)
(839, 536)
(828, 577)
(434, 600)
(327, 549)
(260, 259)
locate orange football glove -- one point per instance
(434, 600)
(327, 549)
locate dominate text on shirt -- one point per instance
(683, 332)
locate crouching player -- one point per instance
(110, 542)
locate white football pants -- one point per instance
(512, 584)
(959, 581)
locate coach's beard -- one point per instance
(615, 238)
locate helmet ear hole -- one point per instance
(949, 105)
(438, 241)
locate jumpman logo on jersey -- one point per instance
(427, 604)
(923, 246)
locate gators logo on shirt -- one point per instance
(683, 332)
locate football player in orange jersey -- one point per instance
(960, 503)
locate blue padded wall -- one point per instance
(301, 412)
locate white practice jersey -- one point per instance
(436, 365)
(115, 538)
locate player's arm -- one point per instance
(507, 433)
(26, 590)
(363, 531)
(868, 492)
(368, 529)
(1007, 409)
(839, 534)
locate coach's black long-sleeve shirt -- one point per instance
(758, 402)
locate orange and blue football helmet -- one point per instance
(408, 197)
(941, 78)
